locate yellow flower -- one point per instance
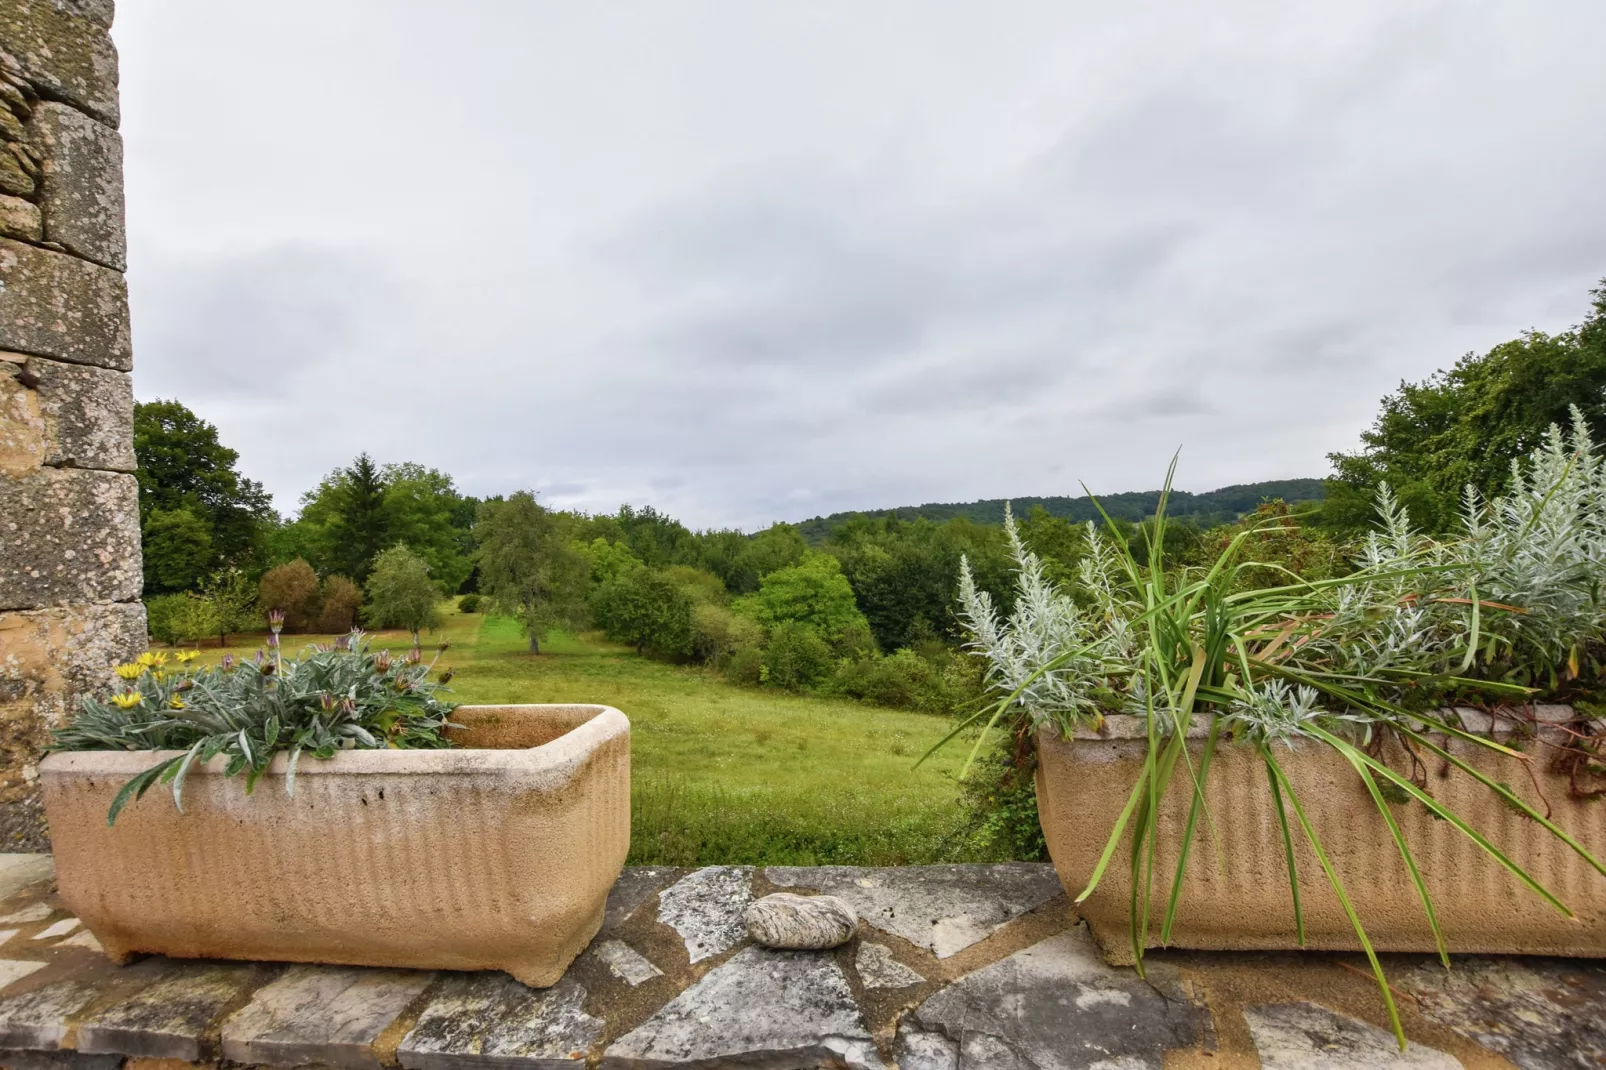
(129, 671)
(186, 656)
(127, 700)
(151, 659)
(176, 702)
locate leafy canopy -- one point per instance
(529, 569)
(400, 593)
(1468, 426)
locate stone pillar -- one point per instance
(69, 504)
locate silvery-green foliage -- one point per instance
(1515, 597)
(1273, 711)
(1519, 591)
(1086, 647)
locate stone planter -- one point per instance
(495, 855)
(1240, 899)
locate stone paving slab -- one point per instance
(321, 1014)
(491, 1020)
(172, 1011)
(943, 909)
(953, 968)
(761, 1008)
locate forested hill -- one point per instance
(1211, 507)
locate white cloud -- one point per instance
(753, 262)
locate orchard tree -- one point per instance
(401, 594)
(528, 568)
(644, 608)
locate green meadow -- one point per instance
(720, 773)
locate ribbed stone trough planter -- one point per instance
(1239, 898)
(496, 854)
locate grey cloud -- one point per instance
(760, 268)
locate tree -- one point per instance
(183, 466)
(357, 511)
(1467, 425)
(401, 593)
(345, 515)
(234, 597)
(292, 589)
(341, 601)
(177, 548)
(424, 511)
(812, 593)
(528, 568)
(645, 609)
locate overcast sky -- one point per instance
(760, 261)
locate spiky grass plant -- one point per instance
(336, 698)
(1515, 600)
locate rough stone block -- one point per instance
(56, 305)
(58, 1060)
(706, 909)
(801, 922)
(82, 193)
(48, 658)
(1303, 1036)
(492, 1021)
(62, 47)
(168, 1017)
(68, 536)
(37, 1020)
(1052, 1004)
(18, 871)
(762, 1008)
(626, 963)
(315, 1014)
(20, 219)
(943, 909)
(75, 416)
(878, 969)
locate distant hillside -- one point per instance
(1212, 507)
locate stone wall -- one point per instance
(69, 511)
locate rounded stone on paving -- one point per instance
(801, 922)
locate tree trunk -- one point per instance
(535, 643)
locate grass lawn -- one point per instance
(724, 774)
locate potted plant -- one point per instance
(375, 825)
(1234, 764)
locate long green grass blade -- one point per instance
(1288, 851)
(1343, 898)
(1510, 797)
(1188, 833)
(1405, 852)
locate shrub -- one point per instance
(469, 603)
(401, 594)
(745, 663)
(341, 600)
(717, 634)
(903, 680)
(814, 593)
(235, 598)
(641, 607)
(796, 658)
(159, 617)
(329, 701)
(292, 589)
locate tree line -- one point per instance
(862, 604)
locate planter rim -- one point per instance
(1499, 722)
(554, 756)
